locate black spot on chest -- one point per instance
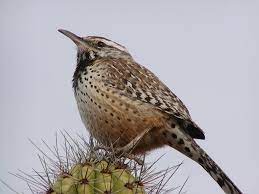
(83, 61)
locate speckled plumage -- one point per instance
(118, 99)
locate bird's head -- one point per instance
(93, 47)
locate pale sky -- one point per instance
(205, 51)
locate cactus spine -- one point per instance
(97, 178)
(79, 166)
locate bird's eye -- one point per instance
(100, 44)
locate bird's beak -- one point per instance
(80, 42)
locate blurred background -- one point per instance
(205, 51)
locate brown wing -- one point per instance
(135, 81)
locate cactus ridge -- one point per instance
(98, 177)
(79, 166)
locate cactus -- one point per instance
(85, 167)
(97, 177)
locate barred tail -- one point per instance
(179, 140)
(216, 172)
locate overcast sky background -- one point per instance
(205, 51)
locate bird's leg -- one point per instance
(133, 143)
(126, 150)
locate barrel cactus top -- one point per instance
(97, 177)
(80, 166)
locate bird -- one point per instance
(119, 99)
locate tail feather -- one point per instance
(184, 143)
(216, 172)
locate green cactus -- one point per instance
(97, 178)
(80, 166)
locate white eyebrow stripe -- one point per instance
(109, 43)
(114, 44)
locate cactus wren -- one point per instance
(118, 99)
